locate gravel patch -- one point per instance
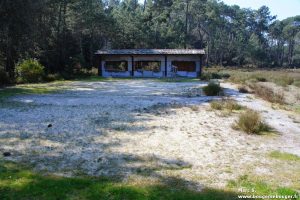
(140, 128)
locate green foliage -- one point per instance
(4, 78)
(250, 122)
(284, 156)
(213, 89)
(29, 71)
(19, 182)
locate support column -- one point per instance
(100, 66)
(200, 63)
(166, 65)
(132, 66)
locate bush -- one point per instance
(4, 78)
(216, 76)
(29, 71)
(212, 89)
(216, 105)
(243, 89)
(251, 122)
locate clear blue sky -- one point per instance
(282, 8)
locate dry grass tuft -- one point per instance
(216, 105)
(225, 104)
(251, 122)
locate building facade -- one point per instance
(150, 62)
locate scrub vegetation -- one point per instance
(213, 89)
(251, 122)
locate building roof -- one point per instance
(150, 52)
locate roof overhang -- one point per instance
(151, 52)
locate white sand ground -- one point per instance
(145, 129)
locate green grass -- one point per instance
(19, 182)
(284, 156)
(258, 187)
(40, 88)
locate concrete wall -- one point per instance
(161, 58)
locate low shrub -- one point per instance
(4, 78)
(250, 122)
(29, 71)
(216, 105)
(213, 89)
(216, 75)
(243, 89)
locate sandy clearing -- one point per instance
(143, 128)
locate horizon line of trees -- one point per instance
(65, 33)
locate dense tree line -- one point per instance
(65, 33)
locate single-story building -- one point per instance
(150, 62)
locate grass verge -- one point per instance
(41, 88)
(19, 182)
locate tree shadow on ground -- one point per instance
(19, 182)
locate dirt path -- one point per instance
(143, 129)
